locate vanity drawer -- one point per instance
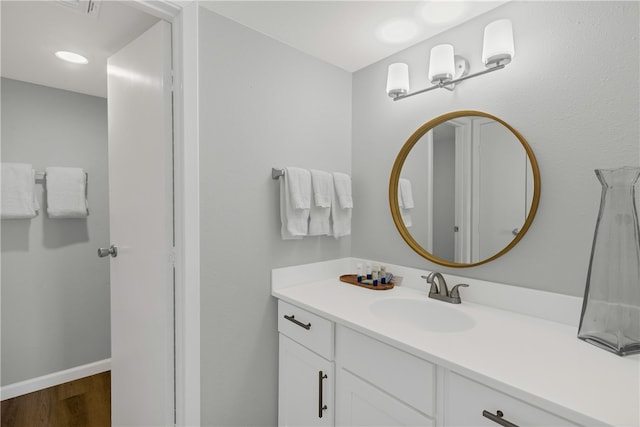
(313, 332)
(402, 375)
(465, 401)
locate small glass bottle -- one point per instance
(375, 274)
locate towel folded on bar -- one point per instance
(341, 205)
(18, 196)
(406, 193)
(405, 197)
(299, 183)
(320, 213)
(66, 192)
(295, 203)
(342, 183)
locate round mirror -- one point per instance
(464, 189)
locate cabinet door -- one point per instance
(402, 375)
(358, 403)
(465, 401)
(305, 386)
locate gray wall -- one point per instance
(572, 91)
(55, 290)
(262, 105)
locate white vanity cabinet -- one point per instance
(332, 375)
(379, 385)
(306, 369)
(469, 403)
(397, 364)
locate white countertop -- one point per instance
(537, 360)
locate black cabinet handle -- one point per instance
(497, 418)
(321, 406)
(293, 319)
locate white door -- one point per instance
(502, 187)
(141, 223)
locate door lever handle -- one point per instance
(112, 250)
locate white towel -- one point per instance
(406, 193)
(322, 184)
(319, 215)
(18, 197)
(405, 199)
(295, 203)
(341, 205)
(299, 181)
(406, 217)
(66, 192)
(284, 207)
(342, 183)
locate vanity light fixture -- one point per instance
(447, 69)
(72, 57)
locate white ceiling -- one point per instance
(344, 33)
(33, 30)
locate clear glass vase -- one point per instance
(611, 308)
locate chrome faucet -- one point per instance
(440, 291)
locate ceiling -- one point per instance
(33, 30)
(348, 34)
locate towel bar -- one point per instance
(276, 173)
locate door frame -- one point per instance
(429, 192)
(463, 189)
(183, 16)
(462, 193)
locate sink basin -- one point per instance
(428, 315)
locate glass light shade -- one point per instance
(398, 79)
(497, 45)
(441, 63)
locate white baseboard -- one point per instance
(56, 378)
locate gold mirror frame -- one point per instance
(395, 178)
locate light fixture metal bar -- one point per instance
(444, 85)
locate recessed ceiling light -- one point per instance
(71, 57)
(443, 12)
(397, 31)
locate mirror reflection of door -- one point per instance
(473, 183)
(503, 174)
(452, 186)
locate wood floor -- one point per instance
(83, 403)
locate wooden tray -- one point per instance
(352, 280)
